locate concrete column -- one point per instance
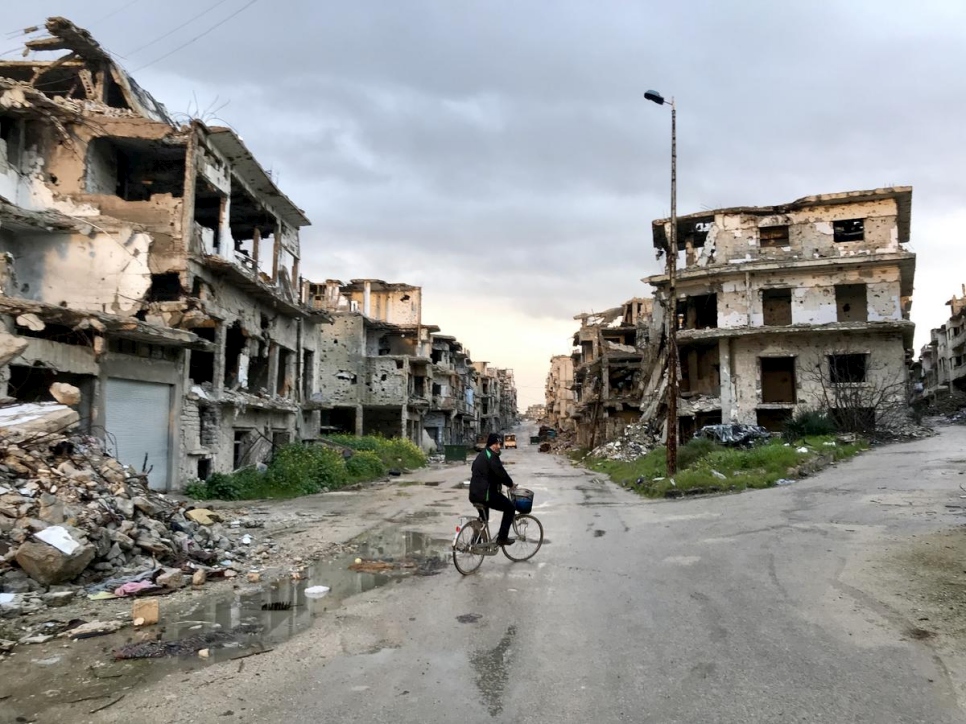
(226, 246)
(221, 334)
(272, 368)
(360, 422)
(727, 388)
(366, 297)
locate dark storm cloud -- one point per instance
(420, 135)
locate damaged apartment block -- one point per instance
(610, 350)
(386, 373)
(785, 308)
(943, 361)
(154, 265)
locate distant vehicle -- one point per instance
(510, 440)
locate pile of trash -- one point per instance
(70, 513)
(635, 441)
(733, 435)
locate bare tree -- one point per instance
(860, 394)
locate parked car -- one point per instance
(509, 440)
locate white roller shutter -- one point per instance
(138, 419)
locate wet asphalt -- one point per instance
(738, 608)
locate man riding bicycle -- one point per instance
(488, 477)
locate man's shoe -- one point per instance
(506, 541)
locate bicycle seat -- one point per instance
(482, 510)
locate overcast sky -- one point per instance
(500, 154)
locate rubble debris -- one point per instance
(71, 513)
(733, 435)
(634, 442)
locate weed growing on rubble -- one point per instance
(300, 469)
(702, 463)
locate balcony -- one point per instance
(443, 402)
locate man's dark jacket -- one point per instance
(488, 475)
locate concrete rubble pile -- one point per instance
(634, 442)
(72, 514)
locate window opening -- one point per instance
(848, 230)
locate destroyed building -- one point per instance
(610, 349)
(943, 360)
(536, 413)
(497, 398)
(784, 308)
(389, 374)
(153, 265)
(559, 392)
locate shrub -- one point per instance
(694, 450)
(809, 423)
(394, 453)
(365, 465)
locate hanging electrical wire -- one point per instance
(119, 10)
(176, 29)
(197, 37)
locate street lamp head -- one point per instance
(655, 97)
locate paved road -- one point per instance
(738, 608)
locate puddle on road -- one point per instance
(493, 671)
(231, 624)
(387, 558)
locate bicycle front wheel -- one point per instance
(467, 549)
(529, 534)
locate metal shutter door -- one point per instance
(138, 415)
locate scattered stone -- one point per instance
(147, 611)
(171, 578)
(254, 577)
(36, 639)
(56, 599)
(94, 628)
(199, 577)
(203, 516)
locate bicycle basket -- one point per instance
(522, 499)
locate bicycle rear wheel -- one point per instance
(529, 534)
(467, 554)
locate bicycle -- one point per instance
(473, 542)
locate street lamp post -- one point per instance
(672, 312)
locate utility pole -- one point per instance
(671, 422)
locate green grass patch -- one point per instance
(300, 469)
(704, 466)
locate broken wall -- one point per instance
(100, 271)
(342, 360)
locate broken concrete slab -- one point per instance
(31, 418)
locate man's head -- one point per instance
(493, 442)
